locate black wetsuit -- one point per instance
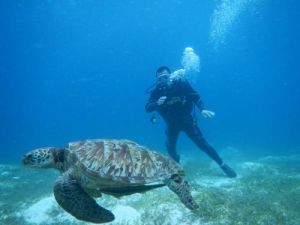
(177, 113)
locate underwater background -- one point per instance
(74, 69)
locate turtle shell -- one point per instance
(122, 161)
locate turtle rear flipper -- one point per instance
(181, 187)
(72, 198)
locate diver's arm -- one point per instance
(151, 106)
(152, 103)
(204, 112)
(194, 96)
(198, 102)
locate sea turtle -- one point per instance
(115, 167)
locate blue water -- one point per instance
(73, 70)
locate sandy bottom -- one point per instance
(266, 191)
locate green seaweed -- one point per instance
(266, 191)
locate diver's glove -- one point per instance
(207, 113)
(161, 100)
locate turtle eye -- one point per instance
(30, 158)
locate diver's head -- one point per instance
(163, 74)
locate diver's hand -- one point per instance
(207, 114)
(161, 100)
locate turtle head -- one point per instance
(48, 157)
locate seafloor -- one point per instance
(266, 192)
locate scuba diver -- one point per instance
(174, 99)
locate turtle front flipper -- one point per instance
(71, 197)
(181, 187)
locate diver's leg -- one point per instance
(171, 140)
(195, 134)
(192, 130)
